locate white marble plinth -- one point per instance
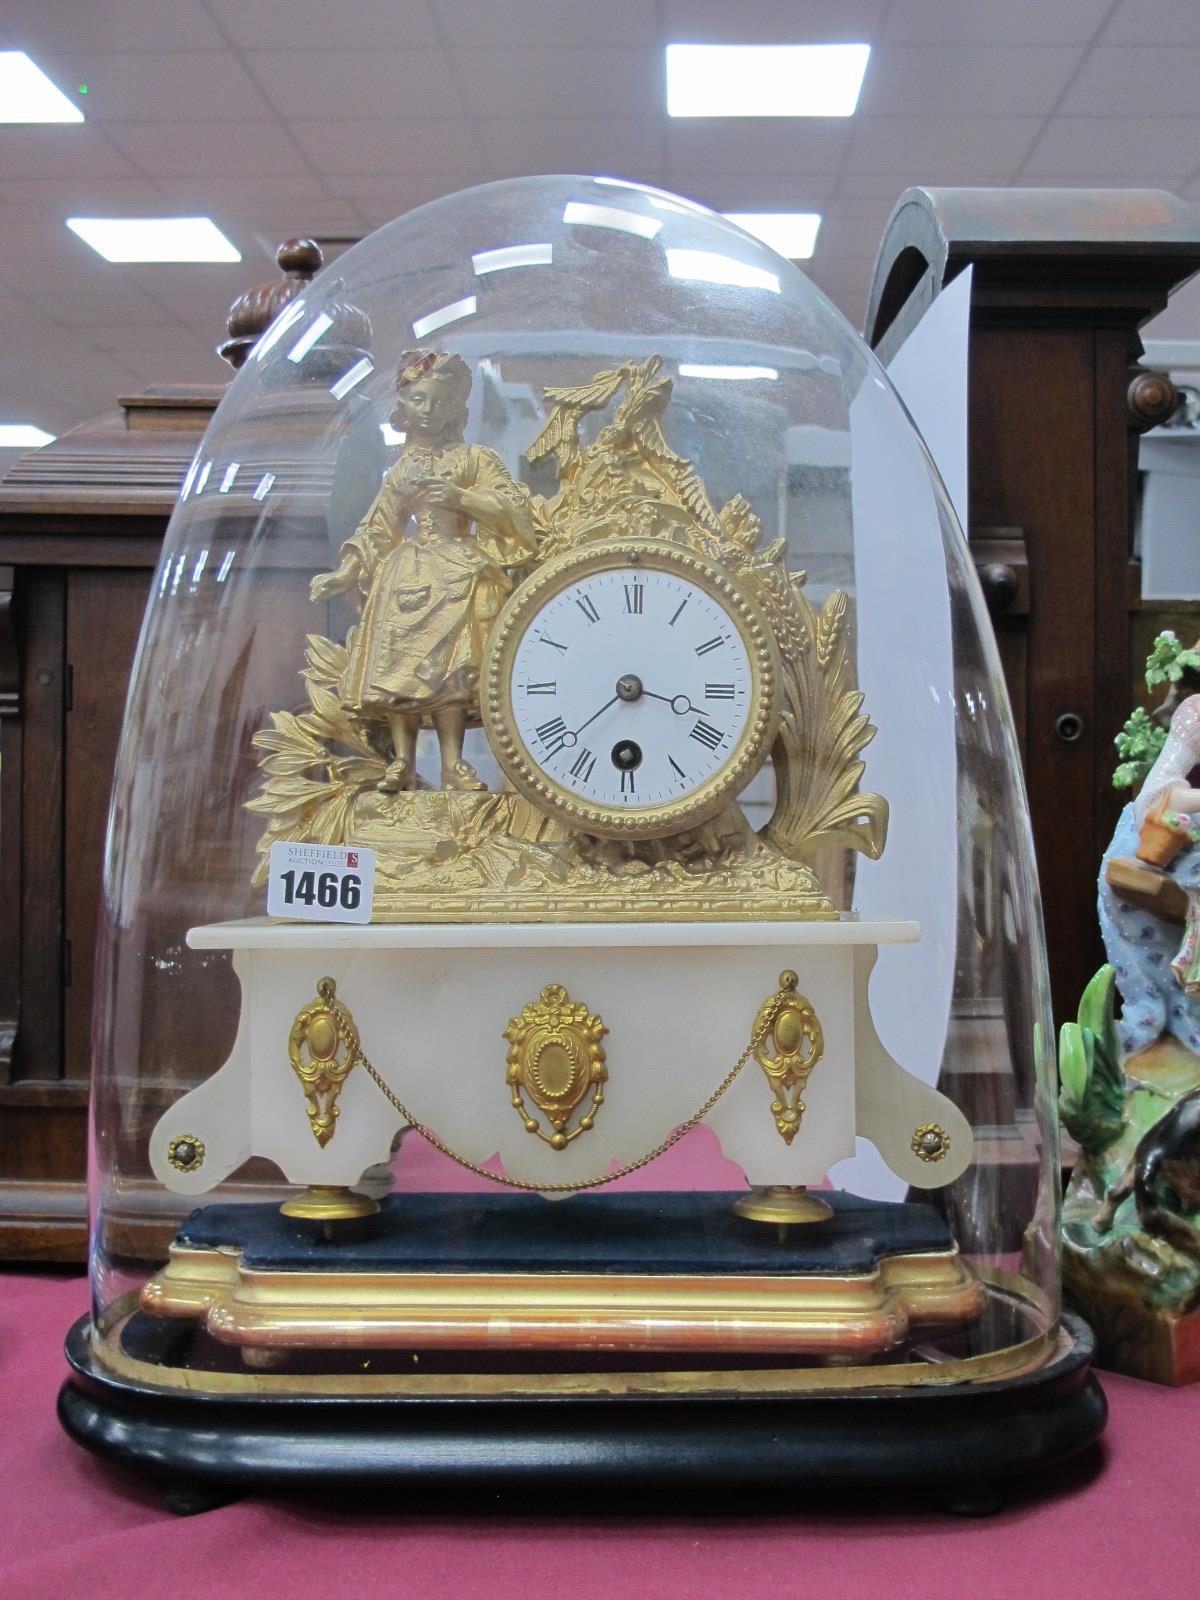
(431, 1004)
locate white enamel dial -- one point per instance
(632, 691)
(631, 687)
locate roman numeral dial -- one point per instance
(630, 696)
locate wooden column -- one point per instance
(1063, 281)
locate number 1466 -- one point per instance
(323, 889)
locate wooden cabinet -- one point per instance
(81, 524)
(1062, 282)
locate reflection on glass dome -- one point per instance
(564, 555)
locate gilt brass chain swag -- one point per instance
(763, 1024)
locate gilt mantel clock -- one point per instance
(575, 940)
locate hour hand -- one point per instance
(679, 703)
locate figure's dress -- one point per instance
(432, 593)
(1152, 966)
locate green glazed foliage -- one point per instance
(1092, 1080)
(1141, 739)
(1168, 660)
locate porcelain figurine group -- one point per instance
(1130, 1087)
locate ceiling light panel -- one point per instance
(27, 95)
(749, 80)
(23, 436)
(174, 239)
(790, 233)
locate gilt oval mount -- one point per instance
(555, 1058)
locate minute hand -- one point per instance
(596, 714)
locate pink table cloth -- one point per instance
(1118, 1521)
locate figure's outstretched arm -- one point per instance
(327, 584)
(378, 532)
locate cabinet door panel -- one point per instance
(31, 940)
(104, 617)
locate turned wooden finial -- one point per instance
(1152, 399)
(253, 312)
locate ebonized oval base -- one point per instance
(945, 1440)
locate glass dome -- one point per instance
(508, 410)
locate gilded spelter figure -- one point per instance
(431, 559)
(450, 537)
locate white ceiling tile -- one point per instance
(79, 367)
(100, 25)
(381, 198)
(25, 341)
(347, 25)
(86, 197)
(872, 186)
(136, 86)
(15, 304)
(1138, 148)
(600, 82)
(548, 23)
(275, 223)
(793, 147)
(31, 393)
(1096, 182)
(966, 80)
(445, 144)
(874, 210)
(752, 191)
(347, 83)
(852, 239)
(196, 293)
(208, 149)
(1135, 80)
(613, 145)
(992, 147)
(118, 304)
(1025, 22)
(1154, 22)
(771, 21)
(45, 276)
(156, 338)
(46, 151)
(28, 231)
(240, 197)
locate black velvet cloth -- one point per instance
(614, 1233)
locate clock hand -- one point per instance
(596, 714)
(679, 703)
